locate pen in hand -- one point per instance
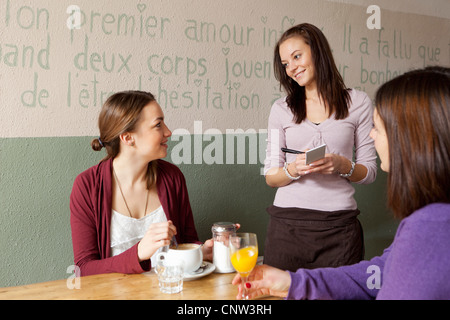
(291, 151)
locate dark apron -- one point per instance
(302, 238)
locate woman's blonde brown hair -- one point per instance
(415, 110)
(119, 115)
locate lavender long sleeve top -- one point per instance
(319, 191)
(415, 266)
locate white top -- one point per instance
(127, 231)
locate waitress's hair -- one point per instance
(330, 85)
(119, 114)
(415, 110)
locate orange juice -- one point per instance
(244, 259)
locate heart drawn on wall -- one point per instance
(141, 7)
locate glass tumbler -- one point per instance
(170, 274)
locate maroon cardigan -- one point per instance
(90, 218)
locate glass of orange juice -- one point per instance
(244, 254)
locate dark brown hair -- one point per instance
(330, 85)
(415, 110)
(119, 114)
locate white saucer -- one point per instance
(208, 270)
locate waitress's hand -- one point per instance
(158, 235)
(330, 164)
(264, 280)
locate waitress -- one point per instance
(313, 220)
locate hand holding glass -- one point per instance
(244, 254)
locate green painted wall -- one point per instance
(36, 176)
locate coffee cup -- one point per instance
(190, 253)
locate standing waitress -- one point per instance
(313, 220)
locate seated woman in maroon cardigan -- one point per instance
(130, 205)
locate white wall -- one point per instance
(208, 61)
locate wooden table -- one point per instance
(112, 286)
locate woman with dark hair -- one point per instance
(412, 139)
(313, 220)
(131, 204)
